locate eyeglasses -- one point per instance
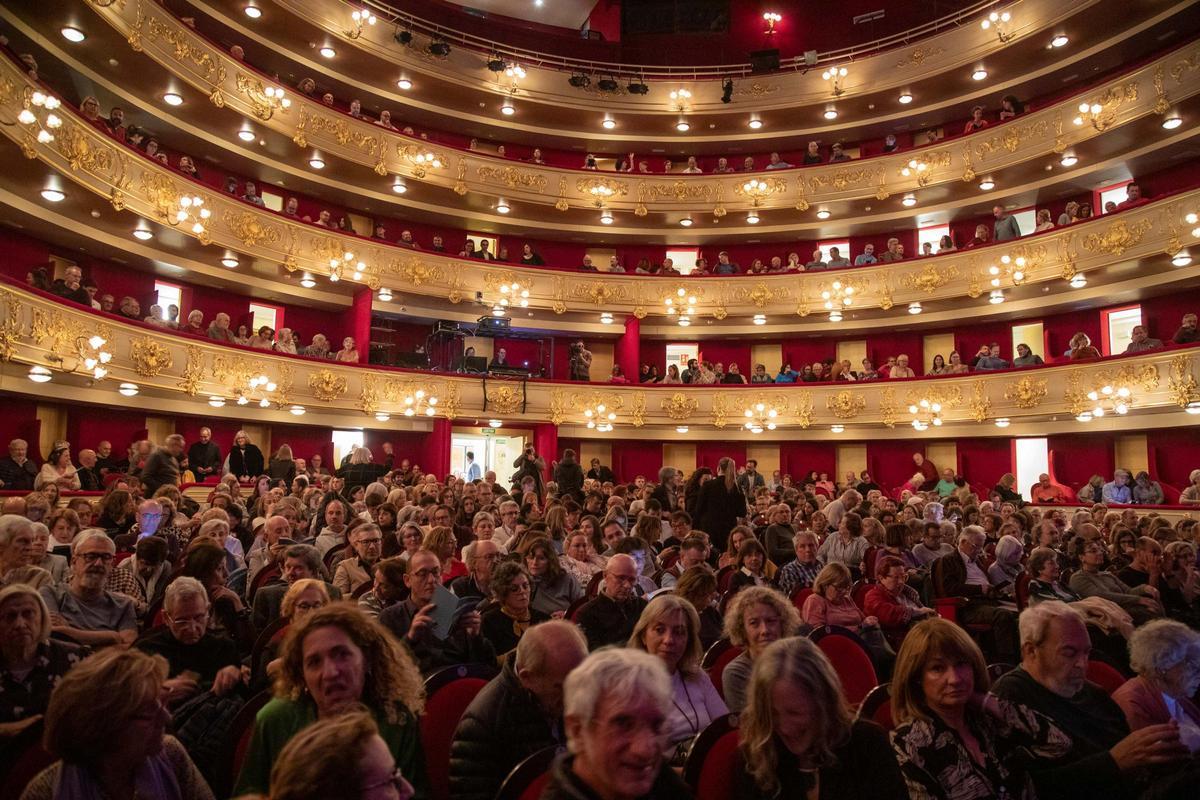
(90, 557)
(422, 574)
(306, 606)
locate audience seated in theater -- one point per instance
(505, 622)
(1140, 341)
(106, 724)
(610, 616)
(299, 561)
(896, 605)
(797, 733)
(755, 618)
(1141, 602)
(830, 604)
(1165, 655)
(960, 574)
(17, 470)
(1081, 348)
(1188, 333)
(332, 661)
(1102, 756)
(518, 713)
(82, 608)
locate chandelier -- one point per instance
(999, 21)
(681, 305)
(1107, 399)
(599, 417)
(837, 296)
(835, 76)
(419, 403)
(192, 214)
(760, 417)
(46, 126)
(358, 20)
(347, 260)
(925, 413)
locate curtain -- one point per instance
(633, 457)
(797, 458)
(1075, 457)
(709, 453)
(983, 461)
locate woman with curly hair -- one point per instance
(798, 735)
(757, 617)
(333, 661)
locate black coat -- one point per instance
(717, 511)
(246, 461)
(356, 475)
(605, 621)
(503, 725)
(19, 477)
(569, 477)
(565, 785)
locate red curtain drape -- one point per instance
(88, 425)
(890, 460)
(633, 457)
(797, 458)
(983, 461)
(1174, 454)
(708, 453)
(1078, 456)
(20, 421)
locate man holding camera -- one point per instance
(530, 466)
(581, 362)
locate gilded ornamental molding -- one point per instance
(228, 83)
(41, 332)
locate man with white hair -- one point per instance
(837, 509)
(1104, 759)
(16, 550)
(204, 456)
(219, 330)
(17, 470)
(198, 660)
(959, 574)
(518, 713)
(616, 705)
(610, 616)
(83, 609)
(1118, 489)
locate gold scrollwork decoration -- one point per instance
(930, 278)
(981, 404)
(846, 404)
(1182, 382)
(10, 324)
(150, 358)
(1118, 237)
(327, 385)
(513, 178)
(504, 399)
(193, 371)
(1026, 392)
(680, 407)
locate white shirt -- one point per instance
(694, 704)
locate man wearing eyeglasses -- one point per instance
(411, 621)
(83, 609)
(609, 617)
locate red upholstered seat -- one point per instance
(1021, 590)
(23, 758)
(448, 692)
(877, 706)
(262, 578)
(716, 659)
(724, 578)
(273, 633)
(869, 559)
(1106, 676)
(713, 760)
(528, 778)
(859, 594)
(850, 659)
(800, 595)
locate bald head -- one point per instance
(14, 505)
(545, 655)
(620, 576)
(276, 527)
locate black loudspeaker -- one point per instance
(764, 61)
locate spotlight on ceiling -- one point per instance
(73, 34)
(727, 90)
(638, 86)
(755, 124)
(608, 84)
(1172, 122)
(404, 83)
(580, 80)
(327, 52)
(439, 48)
(1059, 41)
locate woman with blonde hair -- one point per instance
(1081, 348)
(954, 740)
(106, 723)
(830, 604)
(282, 466)
(798, 737)
(343, 758)
(440, 541)
(669, 628)
(333, 660)
(755, 618)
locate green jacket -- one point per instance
(281, 719)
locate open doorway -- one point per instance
(491, 450)
(344, 442)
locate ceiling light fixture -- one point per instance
(385, 294)
(502, 207)
(495, 423)
(1060, 40)
(837, 428)
(1068, 160)
(987, 184)
(439, 48)
(835, 316)
(606, 318)
(608, 124)
(979, 74)
(760, 319)
(404, 84)
(316, 162)
(308, 282)
(638, 86)
(996, 297)
(1181, 259)
(1193, 407)
(216, 401)
(229, 261)
(914, 307)
(755, 123)
(905, 98)
(683, 126)
(1002, 422)
(128, 389)
(681, 428)
(173, 99)
(142, 234)
(73, 34)
(909, 200)
(830, 113)
(327, 52)
(39, 374)
(53, 195)
(1172, 122)
(752, 217)
(297, 410)
(1078, 281)
(824, 213)
(246, 135)
(252, 11)
(382, 416)
(606, 217)
(399, 187)
(507, 108)
(686, 221)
